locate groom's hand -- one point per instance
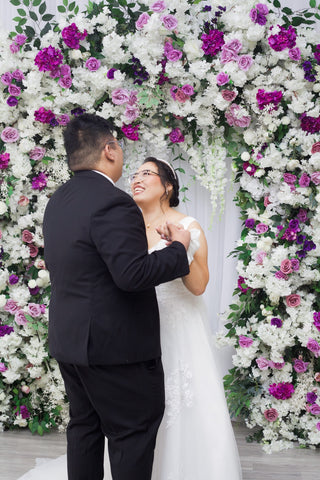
(174, 233)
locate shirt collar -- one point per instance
(106, 176)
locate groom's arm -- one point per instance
(118, 232)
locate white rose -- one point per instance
(32, 284)
(44, 274)
(245, 156)
(285, 120)
(293, 164)
(192, 49)
(316, 87)
(3, 300)
(3, 208)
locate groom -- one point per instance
(103, 320)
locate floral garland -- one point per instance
(241, 81)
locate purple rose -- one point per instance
(71, 36)
(250, 222)
(142, 20)
(6, 78)
(311, 397)
(300, 366)
(294, 54)
(11, 307)
(4, 160)
(303, 214)
(262, 363)
(281, 391)
(176, 136)
(5, 330)
(294, 225)
(314, 347)
(20, 318)
(289, 178)
(228, 55)
(13, 279)
(188, 89)
(315, 178)
(110, 73)
(44, 116)
(14, 48)
(174, 55)
(158, 6)
(3, 368)
(315, 409)
(14, 90)
(34, 310)
(222, 78)
(295, 264)
(18, 75)
(93, 64)
(169, 22)
(132, 113)
(120, 96)
(277, 322)
(285, 39)
(12, 101)
(280, 275)
(245, 62)
(316, 320)
(65, 82)
(37, 153)
(10, 135)
(63, 119)
(249, 168)
(261, 228)
(39, 182)
(20, 39)
(304, 180)
(245, 342)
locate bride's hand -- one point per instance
(174, 233)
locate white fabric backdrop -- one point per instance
(225, 229)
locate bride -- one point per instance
(195, 440)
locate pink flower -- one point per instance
(25, 389)
(120, 96)
(300, 366)
(10, 135)
(3, 368)
(14, 90)
(65, 71)
(11, 307)
(295, 264)
(71, 36)
(281, 275)
(33, 251)
(317, 377)
(169, 22)
(271, 414)
(228, 95)
(37, 153)
(34, 310)
(176, 136)
(281, 391)
(294, 54)
(132, 113)
(245, 62)
(315, 178)
(93, 64)
(44, 116)
(262, 363)
(276, 365)
(20, 39)
(180, 96)
(261, 228)
(23, 201)
(318, 426)
(14, 48)
(132, 97)
(188, 89)
(266, 201)
(174, 55)
(142, 20)
(314, 347)
(65, 82)
(27, 236)
(222, 78)
(314, 149)
(244, 341)
(63, 119)
(158, 6)
(4, 160)
(228, 55)
(235, 45)
(260, 258)
(286, 266)
(20, 318)
(131, 131)
(314, 409)
(293, 300)
(304, 180)
(6, 78)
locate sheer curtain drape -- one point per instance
(224, 230)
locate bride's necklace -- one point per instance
(156, 222)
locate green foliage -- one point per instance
(240, 388)
(34, 12)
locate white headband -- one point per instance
(170, 166)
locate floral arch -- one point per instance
(241, 82)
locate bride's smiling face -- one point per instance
(146, 184)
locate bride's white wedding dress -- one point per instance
(195, 440)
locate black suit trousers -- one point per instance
(124, 403)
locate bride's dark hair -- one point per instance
(167, 176)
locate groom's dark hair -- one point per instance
(84, 138)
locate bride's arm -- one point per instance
(198, 277)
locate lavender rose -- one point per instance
(293, 300)
(34, 310)
(261, 228)
(271, 414)
(20, 318)
(120, 96)
(142, 20)
(304, 180)
(315, 409)
(314, 347)
(222, 78)
(169, 22)
(315, 178)
(245, 62)
(300, 366)
(93, 64)
(244, 341)
(10, 135)
(14, 90)
(262, 363)
(37, 153)
(158, 6)
(286, 266)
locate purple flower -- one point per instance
(315, 409)
(63, 119)
(78, 111)
(222, 78)
(289, 178)
(314, 347)
(304, 180)
(71, 36)
(261, 228)
(245, 342)
(176, 136)
(169, 22)
(295, 264)
(250, 222)
(303, 214)
(14, 48)
(294, 225)
(3, 368)
(309, 245)
(20, 39)
(23, 411)
(48, 59)
(316, 320)
(6, 78)
(131, 132)
(37, 153)
(188, 89)
(249, 168)
(262, 363)
(280, 275)
(311, 397)
(12, 101)
(34, 291)
(212, 42)
(158, 6)
(281, 391)
(258, 14)
(142, 20)
(242, 285)
(18, 75)
(277, 322)
(285, 39)
(110, 73)
(5, 330)
(14, 90)
(10, 135)
(245, 62)
(132, 113)
(300, 366)
(171, 53)
(20, 318)
(310, 124)
(39, 182)
(44, 116)
(4, 160)
(34, 310)
(13, 279)
(228, 55)
(65, 82)
(294, 54)
(266, 98)
(93, 64)
(120, 96)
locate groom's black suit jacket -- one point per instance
(103, 308)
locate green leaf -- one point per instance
(15, 2)
(276, 3)
(40, 430)
(34, 16)
(123, 3)
(18, 29)
(65, 3)
(47, 17)
(71, 6)
(17, 19)
(76, 10)
(22, 12)
(26, 3)
(287, 10)
(234, 306)
(313, 3)
(42, 8)
(45, 30)
(29, 31)
(296, 21)
(61, 9)
(23, 21)
(35, 3)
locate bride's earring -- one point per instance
(167, 193)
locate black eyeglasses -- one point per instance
(143, 174)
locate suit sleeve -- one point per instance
(118, 232)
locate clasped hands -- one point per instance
(174, 233)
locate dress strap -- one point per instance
(186, 221)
